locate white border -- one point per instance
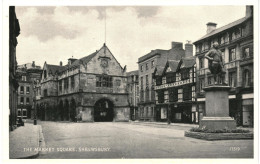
(5, 69)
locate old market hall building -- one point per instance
(92, 88)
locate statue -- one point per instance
(216, 65)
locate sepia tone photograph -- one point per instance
(132, 82)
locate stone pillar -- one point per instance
(217, 109)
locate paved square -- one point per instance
(126, 140)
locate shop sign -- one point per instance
(173, 84)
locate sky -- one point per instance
(54, 34)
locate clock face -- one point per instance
(104, 63)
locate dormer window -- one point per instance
(45, 74)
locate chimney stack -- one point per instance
(211, 27)
(188, 49)
(177, 45)
(33, 63)
(60, 63)
(249, 11)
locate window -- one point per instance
(201, 62)
(180, 95)
(206, 46)
(142, 95)
(21, 89)
(227, 38)
(146, 66)
(118, 82)
(166, 96)
(158, 80)
(187, 92)
(247, 78)
(198, 48)
(45, 93)
(170, 77)
(66, 83)
(152, 93)
(210, 80)
(193, 93)
(160, 96)
(185, 74)
(27, 100)
(246, 52)
(222, 40)
(106, 81)
(141, 68)
(19, 112)
(21, 100)
(233, 36)
(142, 82)
(24, 113)
(223, 56)
(146, 80)
(44, 74)
(232, 79)
(232, 54)
(60, 85)
(202, 84)
(152, 63)
(23, 78)
(27, 90)
(173, 95)
(72, 81)
(147, 94)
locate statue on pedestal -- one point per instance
(216, 65)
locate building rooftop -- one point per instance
(136, 72)
(223, 28)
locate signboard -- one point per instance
(173, 84)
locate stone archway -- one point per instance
(103, 110)
(61, 110)
(66, 110)
(73, 110)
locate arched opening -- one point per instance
(103, 111)
(61, 112)
(66, 110)
(73, 110)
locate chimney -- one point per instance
(188, 49)
(249, 11)
(33, 63)
(177, 45)
(211, 27)
(60, 63)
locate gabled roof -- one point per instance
(55, 68)
(85, 59)
(158, 70)
(223, 28)
(173, 64)
(188, 62)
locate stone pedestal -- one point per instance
(217, 109)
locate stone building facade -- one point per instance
(133, 93)
(28, 75)
(14, 31)
(147, 64)
(175, 91)
(236, 43)
(92, 88)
